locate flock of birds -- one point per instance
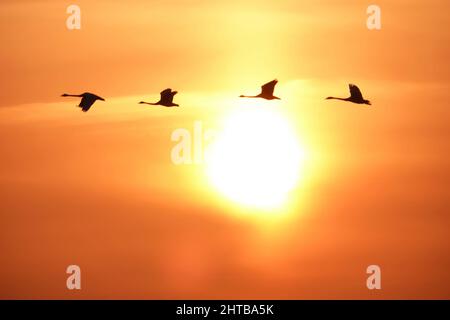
(167, 95)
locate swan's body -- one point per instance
(87, 99)
(266, 91)
(355, 96)
(166, 99)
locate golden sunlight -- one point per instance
(256, 159)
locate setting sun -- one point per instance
(256, 159)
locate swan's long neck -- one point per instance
(150, 103)
(242, 96)
(72, 95)
(336, 98)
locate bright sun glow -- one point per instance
(256, 159)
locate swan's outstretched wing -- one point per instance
(86, 102)
(167, 96)
(355, 92)
(165, 93)
(269, 87)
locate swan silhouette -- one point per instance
(355, 96)
(166, 99)
(87, 99)
(266, 91)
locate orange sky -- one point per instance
(98, 189)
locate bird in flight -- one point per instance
(266, 91)
(166, 99)
(355, 96)
(87, 99)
